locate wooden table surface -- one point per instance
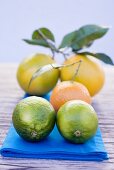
(10, 94)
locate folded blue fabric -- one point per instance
(54, 147)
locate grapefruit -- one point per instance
(42, 84)
(90, 73)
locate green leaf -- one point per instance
(36, 42)
(83, 37)
(101, 56)
(67, 40)
(86, 35)
(43, 70)
(42, 37)
(46, 32)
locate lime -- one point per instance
(77, 121)
(33, 118)
(42, 84)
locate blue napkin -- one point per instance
(54, 147)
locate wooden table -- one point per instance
(10, 94)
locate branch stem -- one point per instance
(73, 78)
(52, 47)
(53, 54)
(67, 65)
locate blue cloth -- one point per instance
(54, 147)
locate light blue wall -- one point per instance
(18, 18)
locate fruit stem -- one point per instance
(67, 65)
(53, 54)
(56, 67)
(34, 133)
(77, 133)
(64, 54)
(77, 70)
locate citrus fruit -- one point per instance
(90, 73)
(42, 84)
(68, 90)
(33, 118)
(77, 121)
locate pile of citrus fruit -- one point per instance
(73, 84)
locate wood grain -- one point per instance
(10, 94)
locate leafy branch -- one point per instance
(75, 41)
(50, 67)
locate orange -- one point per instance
(90, 73)
(69, 90)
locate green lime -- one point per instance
(42, 84)
(77, 121)
(33, 118)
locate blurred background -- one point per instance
(19, 18)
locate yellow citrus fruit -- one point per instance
(77, 121)
(42, 84)
(69, 90)
(90, 73)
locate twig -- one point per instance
(73, 78)
(43, 36)
(66, 65)
(52, 47)
(53, 54)
(57, 66)
(64, 54)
